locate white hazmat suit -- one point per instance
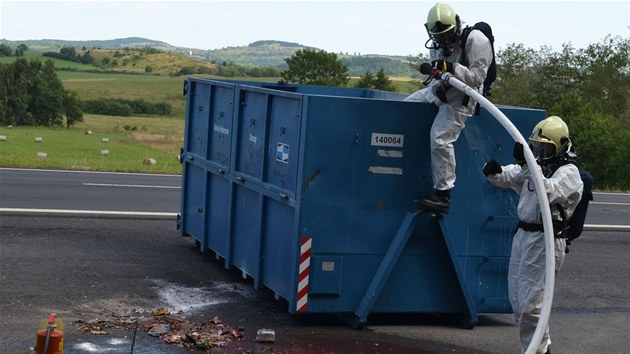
(526, 274)
(451, 116)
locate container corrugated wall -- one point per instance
(311, 192)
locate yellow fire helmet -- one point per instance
(552, 130)
(442, 25)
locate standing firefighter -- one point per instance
(551, 145)
(467, 54)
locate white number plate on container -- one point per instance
(394, 140)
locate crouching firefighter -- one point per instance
(552, 148)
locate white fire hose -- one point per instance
(543, 202)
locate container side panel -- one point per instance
(365, 163)
(251, 135)
(279, 255)
(198, 118)
(219, 194)
(246, 225)
(221, 113)
(194, 190)
(284, 140)
(424, 281)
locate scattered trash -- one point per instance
(100, 326)
(159, 329)
(161, 311)
(173, 338)
(173, 330)
(203, 336)
(266, 336)
(202, 345)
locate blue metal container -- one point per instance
(311, 191)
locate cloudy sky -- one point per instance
(366, 27)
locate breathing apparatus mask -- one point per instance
(443, 29)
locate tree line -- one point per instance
(589, 88)
(70, 54)
(32, 94)
(125, 108)
(318, 67)
(7, 51)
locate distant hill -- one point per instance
(48, 45)
(274, 53)
(260, 53)
(257, 54)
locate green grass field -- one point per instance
(151, 88)
(63, 64)
(132, 140)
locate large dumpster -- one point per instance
(311, 191)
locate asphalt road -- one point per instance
(85, 191)
(125, 258)
(59, 192)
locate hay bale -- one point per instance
(39, 139)
(105, 140)
(88, 132)
(104, 152)
(150, 162)
(42, 155)
(3, 138)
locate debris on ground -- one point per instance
(159, 329)
(203, 336)
(101, 326)
(172, 330)
(161, 311)
(266, 336)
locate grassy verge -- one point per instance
(130, 142)
(151, 88)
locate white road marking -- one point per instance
(607, 227)
(90, 172)
(611, 193)
(609, 203)
(86, 212)
(130, 185)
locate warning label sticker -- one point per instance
(282, 153)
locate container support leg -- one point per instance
(472, 319)
(385, 269)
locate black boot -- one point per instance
(439, 203)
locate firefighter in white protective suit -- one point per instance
(551, 145)
(467, 58)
